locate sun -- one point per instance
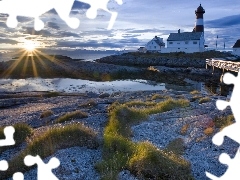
(30, 46)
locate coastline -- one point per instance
(160, 129)
(28, 108)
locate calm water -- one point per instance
(82, 86)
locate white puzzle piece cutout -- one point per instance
(232, 131)
(8, 132)
(3, 165)
(232, 172)
(36, 8)
(44, 170)
(8, 141)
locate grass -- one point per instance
(196, 97)
(157, 96)
(71, 115)
(46, 113)
(184, 129)
(223, 121)
(152, 68)
(148, 162)
(142, 159)
(22, 131)
(204, 100)
(208, 131)
(194, 92)
(89, 104)
(176, 146)
(51, 141)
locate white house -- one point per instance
(155, 45)
(236, 48)
(188, 42)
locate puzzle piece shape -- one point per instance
(232, 172)
(18, 176)
(232, 131)
(101, 4)
(3, 165)
(233, 103)
(8, 132)
(44, 170)
(35, 8)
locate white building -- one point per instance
(188, 42)
(155, 45)
(236, 48)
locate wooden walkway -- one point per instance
(223, 64)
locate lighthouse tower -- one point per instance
(199, 27)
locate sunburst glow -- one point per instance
(29, 46)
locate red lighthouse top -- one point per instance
(200, 10)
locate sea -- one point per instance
(69, 85)
(86, 55)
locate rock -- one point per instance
(126, 175)
(104, 95)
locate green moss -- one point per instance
(51, 141)
(22, 131)
(71, 115)
(148, 162)
(194, 92)
(157, 96)
(176, 146)
(223, 121)
(142, 159)
(204, 100)
(46, 114)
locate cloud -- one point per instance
(22, 19)
(68, 34)
(31, 31)
(224, 22)
(8, 41)
(3, 25)
(53, 25)
(80, 5)
(131, 40)
(87, 44)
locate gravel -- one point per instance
(159, 129)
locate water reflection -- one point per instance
(209, 87)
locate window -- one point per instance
(170, 42)
(178, 43)
(178, 48)
(194, 42)
(155, 47)
(186, 42)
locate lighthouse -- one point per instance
(199, 25)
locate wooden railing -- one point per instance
(223, 64)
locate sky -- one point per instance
(138, 21)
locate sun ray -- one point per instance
(25, 67)
(13, 66)
(35, 73)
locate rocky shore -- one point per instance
(193, 125)
(125, 66)
(159, 129)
